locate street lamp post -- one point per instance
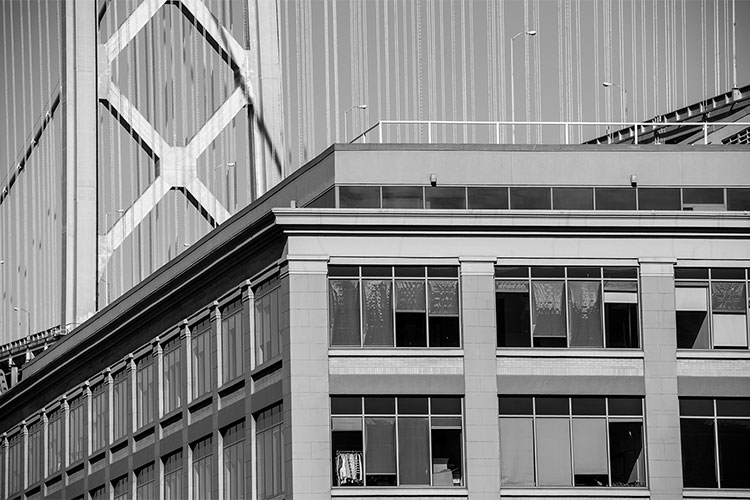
(346, 125)
(624, 92)
(28, 319)
(513, 84)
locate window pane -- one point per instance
(347, 450)
(517, 452)
(346, 405)
(378, 312)
(659, 199)
(552, 406)
(733, 407)
(728, 297)
(734, 443)
(621, 322)
(696, 407)
(549, 309)
(727, 273)
(380, 406)
(730, 330)
(413, 451)
(380, 455)
(615, 199)
(402, 197)
(590, 451)
(584, 272)
(692, 330)
(553, 451)
(625, 406)
(547, 272)
(410, 295)
(359, 197)
(516, 405)
(443, 297)
(173, 489)
(412, 406)
(572, 198)
(588, 406)
(411, 320)
(511, 272)
(445, 406)
(446, 457)
(488, 197)
(702, 196)
(738, 199)
(445, 197)
(513, 323)
(698, 463)
(620, 272)
(626, 454)
(690, 273)
(691, 298)
(530, 198)
(585, 302)
(343, 303)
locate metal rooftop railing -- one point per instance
(545, 132)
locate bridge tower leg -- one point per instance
(79, 207)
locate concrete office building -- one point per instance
(421, 321)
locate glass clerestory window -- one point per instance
(582, 307)
(402, 306)
(397, 441)
(571, 441)
(711, 308)
(715, 439)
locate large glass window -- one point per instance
(120, 404)
(359, 197)
(234, 461)
(403, 306)
(121, 488)
(270, 451)
(173, 484)
(715, 438)
(232, 342)
(203, 468)
(267, 322)
(578, 441)
(172, 366)
(54, 442)
(389, 441)
(567, 307)
(145, 484)
(711, 308)
(35, 457)
(76, 431)
(202, 367)
(15, 458)
(98, 417)
(144, 384)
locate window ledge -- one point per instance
(574, 492)
(427, 492)
(396, 352)
(713, 354)
(715, 493)
(529, 352)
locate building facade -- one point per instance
(414, 321)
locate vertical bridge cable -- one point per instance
(717, 60)
(655, 57)
(537, 72)
(597, 73)
(683, 32)
(633, 50)
(560, 66)
(579, 64)
(703, 49)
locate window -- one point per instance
(77, 422)
(54, 442)
(2, 467)
(121, 488)
(659, 199)
(144, 383)
(403, 441)
(359, 197)
(267, 322)
(98, 417)
(487, 197)
(145, 485)
(711, 308)
(234, 461)
(36, 459)
(578, 441)
(203, 468)
(15, 457)
(445, 198)
(172, 365)
(99, 493)
(738, 199)
(173, 486)
(615, 198)
(201, 356)
(567, 307)
(715, 437)
(703, 199)
(232, 342)
(120, 404)
(530, 198)
(402, 197)
(270, 450)
(383, 306)
(572, 198)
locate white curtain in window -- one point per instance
(553, 451)
(590, 446)
(730, 330)
(443, 297)
(517, 451)
(549, 308)
(585, 302)
(410, 296)
(380, 436)
(343, 301)
(414, 451)
(378, 313)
